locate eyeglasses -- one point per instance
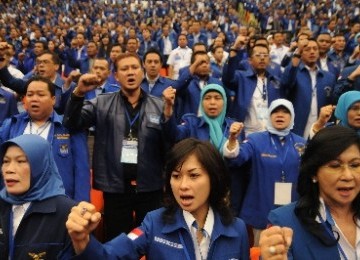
(337, 167)
(261, 55)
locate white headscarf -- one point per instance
(275, 104)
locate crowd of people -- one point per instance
(187, 114)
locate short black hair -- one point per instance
(50, 85)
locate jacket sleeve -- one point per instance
(81, 167)
(79, 114)
(288, 80)
(118, 248)
(229, 77)
(18, 85)
(246, 153)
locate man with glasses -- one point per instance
(47, 65)
(255, 88)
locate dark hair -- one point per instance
(131, 38)
(213, 49)
(155, 51)
(194, 54)
(44, 44)
(54, 57)
(326, 145)
(125, 55)
(258, 45)
(50, 85)
(199, 44)
(213, 163)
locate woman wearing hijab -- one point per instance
(33, 204)
(274, 156)
(211, 125)
(347, 112)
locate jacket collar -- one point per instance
(54, 117)
(250, 72)
(319, 71)
(219, 228)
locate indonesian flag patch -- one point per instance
(135, 233)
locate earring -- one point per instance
(314, 181)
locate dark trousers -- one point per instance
(125, 211)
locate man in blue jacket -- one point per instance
(307, 86)
(255, 88)
(69, 148)
(129, 147)
(153, 83)
(47, 66)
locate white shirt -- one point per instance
(257, 116)
(313, 115)
(167, 45)
(278, 53)
(202, 249)
(43, 130)
(350, 252)
(179, 58)
(18, 213)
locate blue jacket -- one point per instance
(304, 245)
(173, 40)
(330, 62)
(268, 159)
(107, 114)
(42, 229)
(18, 85)
(170, 241)
(244, 84)
(160, 85)
(191, 39)
(189, 91)
(192, 126)
(150, 44)
(296, 82)
(70, 152)
(8, 105)
(343, 84)
(108, 88)
(83, 64)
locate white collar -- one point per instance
(209, 222)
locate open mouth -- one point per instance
(186, 200)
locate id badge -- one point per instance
(129, 151)
(282, 194)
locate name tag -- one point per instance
(129, 151)
(282, 194)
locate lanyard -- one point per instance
(330, 222)
(131, 122)
(283, 158)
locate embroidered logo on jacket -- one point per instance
(39, 256)
(64, 149)
(167, 242)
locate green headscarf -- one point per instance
(215, 124)
(346, 100)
